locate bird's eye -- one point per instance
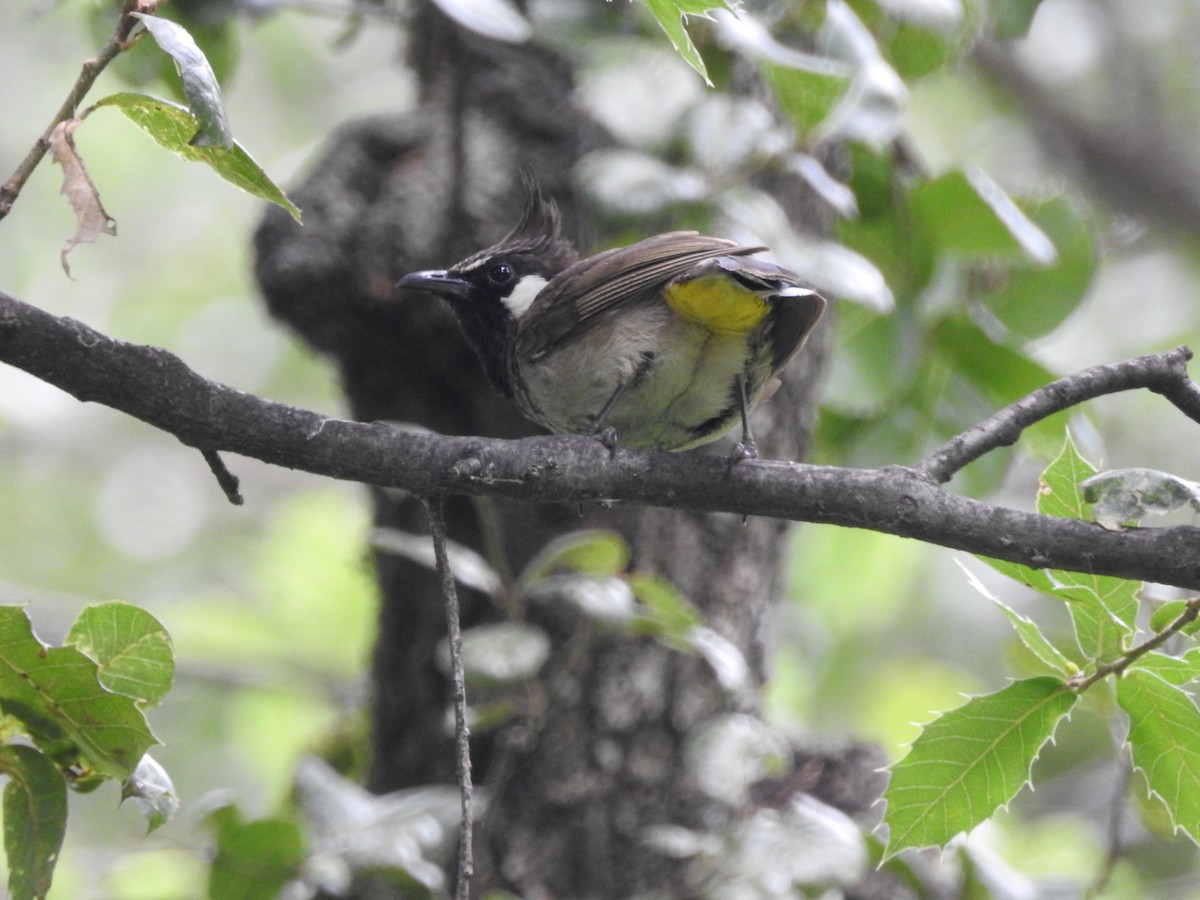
(500, 274)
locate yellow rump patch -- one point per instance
(717, 302)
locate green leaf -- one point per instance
(1031, 636)
(153, 792)
(596, 552)
(1037, 579)
(1177, 670)
(1107, 607)
(199, 81)
(667, 614)
(254, 860)
(35, 819)
(669, 14)
(807, 96)
(1000, 373)
(970, 761)
(1167, 613)
(1034, 300)
(170, 124)
(131, 648)
(965, 212)
(56, 693)
(1011, 18)
(916, 51)
(1164, 739)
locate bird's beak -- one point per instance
(435, 281)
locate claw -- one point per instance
(608, 437)
(743, 450)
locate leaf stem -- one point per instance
(90, 71)
(1120, 665)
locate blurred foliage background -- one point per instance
(1093, 117)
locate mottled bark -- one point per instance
(597, 754)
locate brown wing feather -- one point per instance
(579, 298)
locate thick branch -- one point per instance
(156, 387)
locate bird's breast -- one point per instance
(679, 378)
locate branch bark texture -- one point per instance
(158, 388)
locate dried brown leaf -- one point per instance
(90, 218)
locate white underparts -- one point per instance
(522, 295)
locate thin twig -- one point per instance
(462, 735)
(226, 479)
(88, 74)
(1116, 847)
(1163, 373)
(1116, 667)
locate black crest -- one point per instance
(537, 241)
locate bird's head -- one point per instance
(490, 290)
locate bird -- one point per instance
(666, 343)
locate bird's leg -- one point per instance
(607, 436)
(746, 448)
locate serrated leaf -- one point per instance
(669, 16)
(91, 220)
(971, 761)
(596, 552)
(1027, 630)
(1104, 616)
(35, 819)
(132, 649)
(199, 81)
(497, 19)
(56, 693)
(1164, 740)
(965, 212)
(1129, 495)
(1176, 670)
(1031, 636)
(152, 791)
(170, 125)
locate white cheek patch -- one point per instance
(522, 295)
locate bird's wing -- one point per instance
(579, 298)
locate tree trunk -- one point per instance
(600, 752)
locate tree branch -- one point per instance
(156, 387)
(1163, 373)
(88, 74)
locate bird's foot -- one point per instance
(607, 437)
(743, 450)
